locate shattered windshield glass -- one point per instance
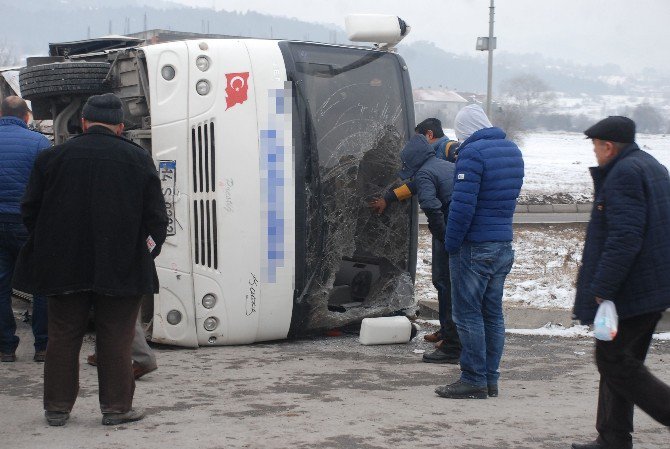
(357, 264)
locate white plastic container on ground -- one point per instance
(385, 330)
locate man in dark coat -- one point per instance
(97, 218)
(432, 181)
(446, 336)
(626, 260)
(19, 148)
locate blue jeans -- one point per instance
(442, 283)
(12, 237)
(478, 272)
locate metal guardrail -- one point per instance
(553, 208)
(545, 213)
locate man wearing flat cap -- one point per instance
(626, 260)
(96, 217)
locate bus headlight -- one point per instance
(202, 87)
(174, 317)
(202, 63)
(168, 72)
(210, 323)
(208, 301)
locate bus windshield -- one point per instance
(357, 120)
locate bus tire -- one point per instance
(64, 78)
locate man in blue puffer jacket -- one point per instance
(18, 149)
(488, 178)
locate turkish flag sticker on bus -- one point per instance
(236, 88)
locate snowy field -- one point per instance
(544, 271)
(557, 165)
(546, 256)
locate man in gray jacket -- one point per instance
(432, 181)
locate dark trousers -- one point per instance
(12, 237)
(115, 328)
(442, 282)
(626, 382)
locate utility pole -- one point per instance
(145, 25)
(489, 44)
(492, 45)
(109, 31)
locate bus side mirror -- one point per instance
(384, 30)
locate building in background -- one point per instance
(441, 103)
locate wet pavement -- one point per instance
(328, 392)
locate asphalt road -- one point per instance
(328, 392)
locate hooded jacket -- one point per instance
(488, 178)
(469, 120)
(19, 148)
(626, 255)
(432, 180)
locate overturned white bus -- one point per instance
(268, 152)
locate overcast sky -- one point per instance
(631, 33)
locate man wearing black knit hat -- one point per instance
(96, 217)
(626, 260)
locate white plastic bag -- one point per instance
(606, 322)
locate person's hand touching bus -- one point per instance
(378, 205)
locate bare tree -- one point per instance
(7, 55)
(648, 119)
(509, 118)
(529, 95)
(529, 91)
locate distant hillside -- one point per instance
(430, 66)
(31, 26)
(28, 27)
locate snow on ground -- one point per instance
(557, 330)
(544, 271)
(553, 330)
(545, 265)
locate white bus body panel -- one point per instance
(234, 202)
(168, 103)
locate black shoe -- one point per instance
(439, 356)
(114, 419)
(56, 418)
(8, 357)
(593, 445)
(492, 390)
(462, 390)
(40, 356)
